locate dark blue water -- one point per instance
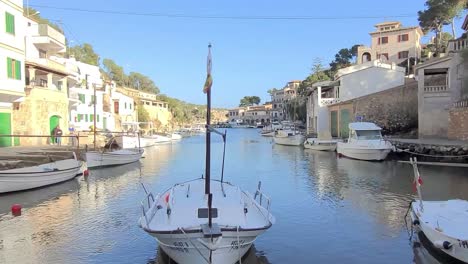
(328, 210)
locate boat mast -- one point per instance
(208, 133)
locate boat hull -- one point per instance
(459, 248)
(376, 154)
(320, 147)
(38, 176)
(96, 159)
(268, 134)
(179, 247)
(296, 140)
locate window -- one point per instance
(368, 134)
(13, 69)
(116, 107)
(130, 106)
(403, 54)
(382, 56)
(403, 37)
(82, 98)
(86, 118)
(97, 118)
(10, 23)
(59, 85)
(382, 40)
(93, 99)
(125, 105)
(91, 118)
(80, 117)
(42, 54)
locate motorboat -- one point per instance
(443, 223)
(288, 137)
(365, 142)
(269, 130)
(239, 123)
(320, 144)
(107, 158)
(30, 177)
(205, 220)
(176, 136)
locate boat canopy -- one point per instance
(364, 126)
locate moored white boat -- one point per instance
(365, 142)
(38, 176)
(112, 158)
(320, 144)
(176, 136)
(206, 221)
(288, 138)
(444, 223)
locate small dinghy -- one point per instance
(444, 223)
(96, 159)
(206, 221)
(320, 144)
(31, 177)
(288, 137)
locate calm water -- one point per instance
(328, 210)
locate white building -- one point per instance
(279, 99)
(12, 60)
(350, 83)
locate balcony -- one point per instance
(328, 101)
(458, 44)
(49, 39)
(436, 89)
(49, 64)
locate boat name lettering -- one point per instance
(463, 243)
(181, 246)
(234, 244)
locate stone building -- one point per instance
(12, 70)
(251, 115)
(392, 43)
(279, 99)
(443, 92)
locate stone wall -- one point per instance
(458, 123)
(395, 109)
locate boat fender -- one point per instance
(168, 211)
(16, 209)
(443, 244)
(416, 222)
(245, 210)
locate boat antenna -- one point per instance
(224, 155)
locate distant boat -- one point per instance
(269, 130)
(444, 223)
(365, 142)
(20, 179)
(239, 123)
(320, 144)
(288, 137)
(176, 136)
(96, 159)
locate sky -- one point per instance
(250, 56)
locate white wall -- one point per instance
(369, 80)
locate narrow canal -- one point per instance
(328, 210)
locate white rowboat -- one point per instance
(112, 158)
(288, 138)
(38, 176)
(318, 144)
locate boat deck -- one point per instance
(449, 217)
(188, 203)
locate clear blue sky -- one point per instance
(249, 56)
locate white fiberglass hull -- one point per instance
(114, 158)
(362, 153)
(179, 247)
(295, 140)
(38, 176)
(444, 222)
(175, 137)
(268, 134)
(320, 147)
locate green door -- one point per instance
(104, 122)
(344, 123)
(53, 121)
(334, 123)
(5, 129)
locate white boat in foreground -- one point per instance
(206, 221)
(38, 176)
(320, 144)
(365, 142)
(444, 223)
(96, 159)
(288, 138)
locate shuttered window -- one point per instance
(81, 97)
(13, 69)
(10, 23)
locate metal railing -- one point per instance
(436, 89)
(77, 137)
(147, 207)
(260, 196)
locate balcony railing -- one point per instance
(48, 31)
(328, 101)
(458, 44)
(436, 89)
(48, 63)
(461, 104)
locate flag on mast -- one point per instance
(209, 79)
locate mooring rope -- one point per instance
(429, 155)
(410, 233)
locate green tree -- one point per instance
(344, 58)
(142, 82)
(437, 14)
(250, 100)
(318, 74)
(84, 53)
(115, 72)
(143, 115)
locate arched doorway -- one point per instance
(366, 57)
(54, 121)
